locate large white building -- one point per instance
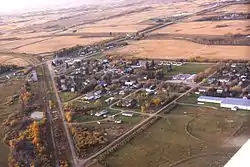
(243, 104)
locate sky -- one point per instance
(12, 6)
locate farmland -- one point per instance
(172, 141)
(170, 49)
(57, 43)
(208, 28)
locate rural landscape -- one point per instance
(146, 83)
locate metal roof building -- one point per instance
(210, 99)
(238, 103)
(243, 104)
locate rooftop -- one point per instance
(242, 102)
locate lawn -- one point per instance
(189, 68)
(191, 99)
(131, 121)
(86, 118)
(67, 96)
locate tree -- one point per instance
(68, 116)
(156, 101)
(143, 109)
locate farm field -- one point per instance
(137, 21)
(208, 28)
(10, 88)
(182, 140)
(19, 60)
(112, 28)
(57, 43)
(170, 49)
(11, 45)
(239, 8)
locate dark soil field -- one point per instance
(187, 137)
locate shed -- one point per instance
(128, 114)
(37, 115)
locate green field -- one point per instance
(167, 142)
(191, 99)
(189, 68)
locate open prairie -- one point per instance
(176, 49)
(201, 138)
(57, 43)
(208, 28)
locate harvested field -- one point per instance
(13, 59)
(112, 28)
(137, 21)
(170, 49)
(57, 43)
(17, 43)
(208, 28)
(239, 8)
(171, 145)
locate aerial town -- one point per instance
(117, 102)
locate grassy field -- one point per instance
(170, 49)
(189, 68)
(192, 99)
(67, 96)
(171, 140)
(208, 28)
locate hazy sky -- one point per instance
(22, 5)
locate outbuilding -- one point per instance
(128, 114)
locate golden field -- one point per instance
(208, 28)
(57, 43)
(18, 60)
(176, 49)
